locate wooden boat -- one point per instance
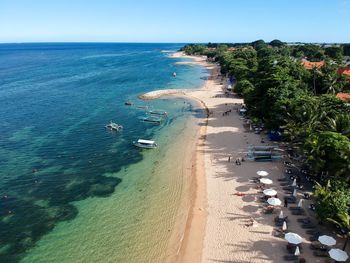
(146, 144)
(158, 112)
(114, 126)
(151, 119)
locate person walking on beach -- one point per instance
(285, 203)
(229, 159)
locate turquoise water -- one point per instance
(70, 190)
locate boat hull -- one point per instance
(145, 146)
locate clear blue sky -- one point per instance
(174, 21)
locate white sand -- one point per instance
(217, 231)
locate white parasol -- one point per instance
(262, 173)
(338, 255)
(266, 181)
(327, 240)
(293, 238)
(295, 192)
(270, 192)
(274, 201)
(294, 182)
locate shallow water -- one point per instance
(70, 190)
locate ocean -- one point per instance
(73, 191)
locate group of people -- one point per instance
(238, 160)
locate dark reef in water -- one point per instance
(31, 211)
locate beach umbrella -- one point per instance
(294, 182)
(295, 192)
(284, 226)
(297, 251)
(327, 240)
(266, 181)
(300, 204)
(262, 173)
(281, 215)
(270, 192)
(293, 238)
(338, 254)
(274, 201)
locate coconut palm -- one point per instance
(343, 221)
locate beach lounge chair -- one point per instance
(308, 226)
(313, 232)
(317, 246)
(268, 210)
(291, 199)
(290, 257)
(318, 253)
(305, 220)
(282, 179)
(278, 234)
(298, 212)
(281, 219)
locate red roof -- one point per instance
(344, 71)
(343, 96)
(310, 65)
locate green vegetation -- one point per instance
(300, 103)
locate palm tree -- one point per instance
(340, 123)
(343, 222)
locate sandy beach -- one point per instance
(224, 226)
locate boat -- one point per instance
(158, 112)
(128, 103)
(147, 144)
(142, 107)
(114, 126)
(151, 119)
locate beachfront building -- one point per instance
(344, 71)
(310, 65)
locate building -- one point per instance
(343, 96)
(310, 65)
(344, 71)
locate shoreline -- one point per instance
(192, 241)
(216, 228)
(223, 231)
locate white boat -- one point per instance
(114, 127)
(158, 112)
(147, 144)
(151, 119)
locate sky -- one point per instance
(174, 21)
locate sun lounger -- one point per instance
(304, 220)
(290, 257)
(318, 253)
(298, 212)
(317, 246)
(281, 219)
(278, 234)
(282, 179)
(308, 226)
(313, 238)
(295, 208)
(313, 232)
(290, 198)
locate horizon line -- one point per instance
(160, 42)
